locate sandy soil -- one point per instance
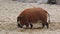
(9, 11)
(11, 28)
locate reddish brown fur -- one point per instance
(32, 15)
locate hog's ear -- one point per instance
(21, 16)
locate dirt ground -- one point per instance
(11, 28)
(9, 11)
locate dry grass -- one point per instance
(12, 28)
